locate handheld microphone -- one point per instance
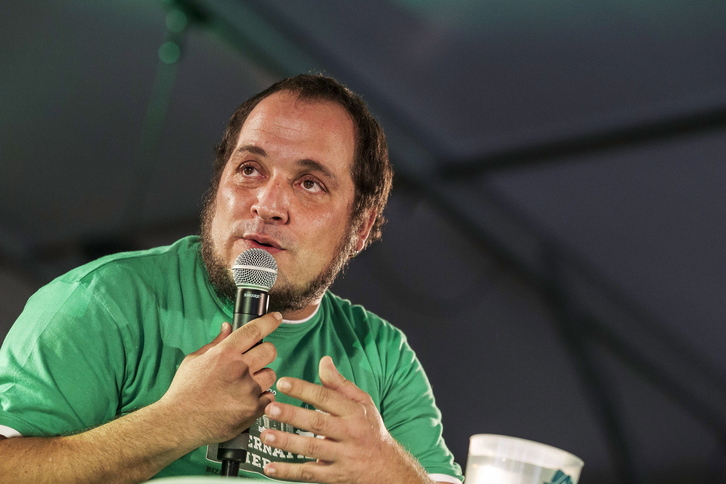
(254, 272)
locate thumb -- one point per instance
(331, 378)
(224, 331)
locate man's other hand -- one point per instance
(355, 444)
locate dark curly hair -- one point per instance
(371, 171)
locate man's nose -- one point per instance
(272, 202)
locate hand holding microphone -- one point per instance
(220, 389)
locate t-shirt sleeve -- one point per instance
(61, 364)
(409, 410)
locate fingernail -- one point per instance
(277, 316)
(268, 438)
(283, 384)
(269, 470)
(273, 411)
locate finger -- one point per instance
(318, 396)
(307, 472)
(224, 332)
(260, 356)
(266, 398)
(253, 413)
(265, 378)
(313, 421)
(311, 447)
(331, 378)
(251, 333)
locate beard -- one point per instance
(284, 295)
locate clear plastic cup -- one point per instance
(498, 459)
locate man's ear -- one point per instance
(364, 230)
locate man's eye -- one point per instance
(312, 185)
(248, 170)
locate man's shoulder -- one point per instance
(341, 305)
(157, 261)
(357, 316)
(136, 275)
(118, 286)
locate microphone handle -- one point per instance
(249, 304)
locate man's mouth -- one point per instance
(263, 242)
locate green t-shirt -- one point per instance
(107, 338)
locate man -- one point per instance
(94, 382)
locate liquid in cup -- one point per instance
(497, 459)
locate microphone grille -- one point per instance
(255, 268)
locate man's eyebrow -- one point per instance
(317, 166)
(254, 149)
(305, 163)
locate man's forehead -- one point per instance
(283, 103)
(283, 118)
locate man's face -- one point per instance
(287, 189)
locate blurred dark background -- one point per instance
(554, 247)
